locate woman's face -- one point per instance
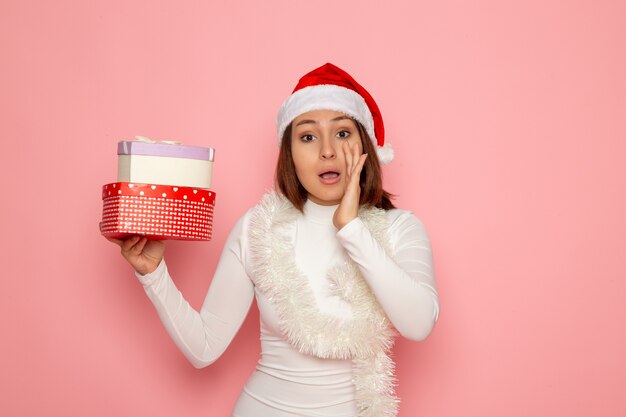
(316, 148)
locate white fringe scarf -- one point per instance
(366, 338)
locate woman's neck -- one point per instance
(319, 213)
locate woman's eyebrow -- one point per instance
(302, 122)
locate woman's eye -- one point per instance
(306, 138)
(343, 134)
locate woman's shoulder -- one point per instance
(398, 214)
(241, 225)
(237, 240)
(402, 221)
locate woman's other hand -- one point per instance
(142, 254)
(348, 209)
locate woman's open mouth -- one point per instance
(329, 177)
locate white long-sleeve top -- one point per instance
(286, 382)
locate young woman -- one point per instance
(334, 267)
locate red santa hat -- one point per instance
(331, 88)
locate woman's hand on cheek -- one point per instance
(348, 209)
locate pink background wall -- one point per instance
(509, 122)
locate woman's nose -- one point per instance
(328, 150)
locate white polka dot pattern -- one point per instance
(157, 211)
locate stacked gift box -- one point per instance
(162, 192)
